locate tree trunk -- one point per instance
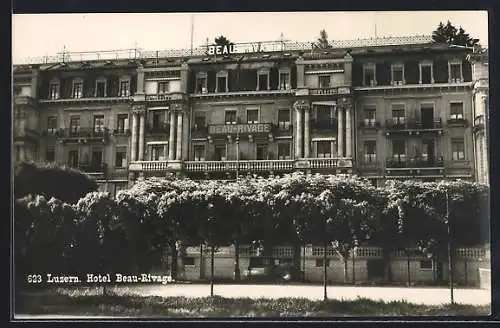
(346, 273)
(202, 263)
(212, 255)
(237, 275)
(325, 272)
(387, 265)
(408, 267)
(353, 268)
(173, 249)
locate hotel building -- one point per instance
(387, 108)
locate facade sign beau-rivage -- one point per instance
(232, 48)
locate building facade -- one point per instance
(390, 108)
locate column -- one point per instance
(306, 133)
(298, 142)
(140, 80)
(141, 136)
(340, 133)
(171, 140)
(300, 72)
(133, 153)
(348, 135)
(178, 147)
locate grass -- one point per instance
(88, 303)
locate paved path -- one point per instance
(429, 296)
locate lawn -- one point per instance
(204, 307)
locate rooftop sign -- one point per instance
(250, 47)
(239, 128)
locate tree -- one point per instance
(322, 42)
(451, 35)
(50, 180)
(222, 41)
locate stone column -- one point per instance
(141, 135)
(34, 83)
(300, 72)
(348, 69)
(298, 141)
(178, 147)
(133, 152)
(348, 134)
(306, 133)
(340, 133)
(140, 80)
(171, 140)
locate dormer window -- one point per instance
(284, 78)
(201, 82)
(426, 72)
(124, 87)
(397, 74)
(100, 87)
(369, 75)
(455, 71)
(221, 82)
(263, 80)
(54, 89)
(77, 90)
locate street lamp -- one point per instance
(212, 250)
(237, 155)
(450, 255)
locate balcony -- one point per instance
(330, 91)
(415, 163)
(282, 128)
(25, 100)
(199, 131)
(369, 124)
(93, 168)
(241, 94)
(328, 163)
(412, 127)
(457, 122)
(157, 129)
(87, 100)
(324, 125)
(121, 132)
(83, 135)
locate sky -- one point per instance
(37, 35)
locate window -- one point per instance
(324, 149)
(261, 152)
(100, 87)
(426, 73)
(77, 91)
(221, 82)
(284, 77)
(156, 124)
(157, 153)
(199, 153)
(399, 150)
(426, 265)
(324, 116)
(99, 123)
(96, 158)
(199, 123)
(73, 158)
(397, 74)
(284, 150)
(456, 111)
(319, 263)
(74, 125)
(398, 115)
(230, 117)
(122, 123)
(370, 154)
(201, 83)
(284, 119)
(163, 87)
(369, 75)
(50, 155)
(457, 150)
(324, 81)
(220, 153)
(52, 124)
(121, 157)
(189, 261)
(124, 88)
(54, 90)
(263, 80)
(455, 69)
(369, 117)
(252, 116)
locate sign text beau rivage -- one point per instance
(232, 48)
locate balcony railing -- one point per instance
(244, 165)
(457, 122)
(282, 128)
(330, 91)
(90, 167)
(369, 124)
(83, 133)
(324, 125)
(158, 129)
(125, 132)
(405, 124)
(415, 162)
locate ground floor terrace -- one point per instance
(365, 265)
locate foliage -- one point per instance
(322, 42)
(50, 180)
(451, 35)
(222, 41)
